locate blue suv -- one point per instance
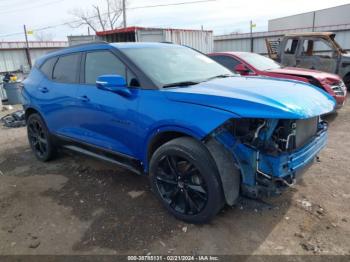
(202, 134)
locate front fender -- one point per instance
(162, 115)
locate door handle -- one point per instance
(84, 98)
(43, 89)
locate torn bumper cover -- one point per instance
(268, 174)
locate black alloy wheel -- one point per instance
(180, 184)
(39, 138)
(185, 178)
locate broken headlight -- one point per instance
(274, 136)
(247, 131)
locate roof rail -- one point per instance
(88, 43)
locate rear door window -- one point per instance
(47, 67)
(67, 69)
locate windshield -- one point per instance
(259, 62)
(169, 64)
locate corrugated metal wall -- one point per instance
(149, 35)
(334, 19)
(12, 60)
(241, 42)
(13, 56)
(197, 39)
(81, 39)
(16, 59)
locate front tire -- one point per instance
(39, 138)
(185, 178)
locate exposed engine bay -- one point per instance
(274, 136)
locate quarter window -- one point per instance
(47, 67)
(66, 69)
(102, 63)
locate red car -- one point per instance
(251, 64)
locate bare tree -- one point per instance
(99, 17)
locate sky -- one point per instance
(221, 16)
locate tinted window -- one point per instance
(102, 63)
(228, 62)
(291, 46)
(66, 69)
(47, 67)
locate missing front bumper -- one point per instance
(264, 174)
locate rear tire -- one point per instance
(185, 178)
(39, 138)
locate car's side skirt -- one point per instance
(122, 160)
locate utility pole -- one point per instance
(124, 14)
(27, 47)
(251, 37)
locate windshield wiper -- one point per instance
(191, 83)
(184, 83)
(219, 76)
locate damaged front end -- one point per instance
(270, 153)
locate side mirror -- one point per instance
(113, 83)
(242, 69)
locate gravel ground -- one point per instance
(79, 205)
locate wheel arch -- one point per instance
(163, 135)
(29, 111)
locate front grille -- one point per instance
(305, 130)
(339, 89)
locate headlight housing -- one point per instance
(274, 136)
(337, 86)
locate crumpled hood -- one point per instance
(257, 97)
(305, 72)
